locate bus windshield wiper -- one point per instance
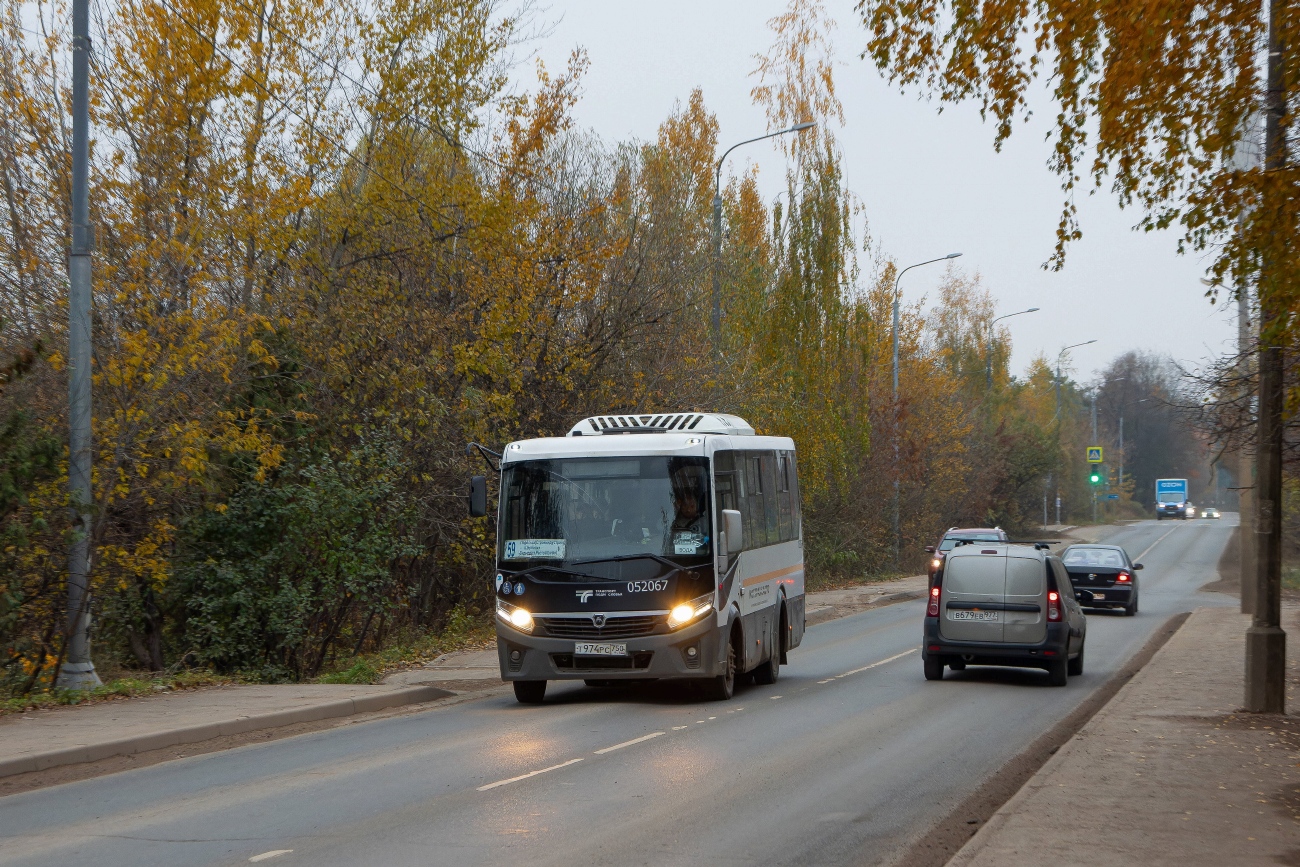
(622, 557)
(558, 571)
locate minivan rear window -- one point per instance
(1025, 577)
(982, 575)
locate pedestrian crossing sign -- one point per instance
(1094, 454)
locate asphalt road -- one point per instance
(847, 759)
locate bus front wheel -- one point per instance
(769, 671)
(723, 687)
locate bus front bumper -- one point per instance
(532, 657)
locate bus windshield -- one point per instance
(586, 509)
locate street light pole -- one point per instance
(988, 369)
(77, 671)
(1059, 356)
(897, 280)
(717, 226)
(1058, 374)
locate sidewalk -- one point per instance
(55, 737)
(1169, 772)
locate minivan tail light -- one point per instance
(932, 610)
(1124, 578)
(1053, 607)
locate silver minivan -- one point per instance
(1004, 604)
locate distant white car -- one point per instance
(1211, 512)
(1190, 511)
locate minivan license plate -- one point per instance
(587, 648)
(991, 616)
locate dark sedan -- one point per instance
(1107, 573)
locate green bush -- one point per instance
(293, 570)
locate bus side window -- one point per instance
(724, 481)
(756, 493)
(796, 509)
(783, 473)
(772, 498)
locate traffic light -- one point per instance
(1094, 476)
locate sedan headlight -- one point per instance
(517, 617)
(689, 612)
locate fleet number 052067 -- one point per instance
(647, 586)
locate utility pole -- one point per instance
(1121, 453)
(77, 671)
(1245, 462)
(1094, 439)
(1246, 157)
(1265, 640)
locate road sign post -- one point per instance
(1094, 454)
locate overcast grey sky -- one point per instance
(931, 183)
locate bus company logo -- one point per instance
(584, 595)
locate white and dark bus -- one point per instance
(645, 547)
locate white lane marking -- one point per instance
(527, 775)
(1154, 544)
(267, 856)
(679, 728)
(774, 697)
(877, 664)
(827, 680)
(628, 743)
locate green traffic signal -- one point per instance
(1095, 478)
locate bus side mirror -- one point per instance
(477, 496)
(734, 528)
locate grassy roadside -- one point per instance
(115, 689)
(463, 631)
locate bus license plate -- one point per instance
(1096, 595)
(587, 648)
(991, 616)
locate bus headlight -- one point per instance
(517, 617)
(689, 612)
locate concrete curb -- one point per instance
(207, 731)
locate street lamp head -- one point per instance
(1032, 310)
(800, 127)
(953, 256)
